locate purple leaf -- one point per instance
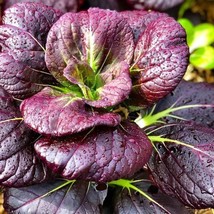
(77, 198)
(23, 32)
(85, 37)
(19, 79)
(140, 19)
(191, 93)
(183, 172)
(63, 5)
(34, 18)
(154, 4)
(102, 155)
(18, 164)
(136, 203)
(160, 60)
(107, 4)
(51, 112)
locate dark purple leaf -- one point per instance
(160, 60)
(154, 4)
(23, 32)
(51, 112)
(191, 93)
(78, 198)
(183, 172)
(126, 203)
(97, 37)
(102, 155)
(63, 5)
(19, 79)
(18, 164)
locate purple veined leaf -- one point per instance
(85, 37)
(19, 165)
(102, 155)
(140, 19)
(191, 93)
(160, 60)
(80, 197)
(125, 203)
(51, 112)
(184, 172)
(154, 4)
(62, 5)
(20, 80)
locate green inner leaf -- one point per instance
(203, 57)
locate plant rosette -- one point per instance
(74, 73)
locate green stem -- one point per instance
(151, 118)
(128, 184)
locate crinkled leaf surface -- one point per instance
(51, 112)
(34, 18)
(139, 19)
(23, 32)
(63, 5)
(136, 203)
(154, 4)
(102, 155)
(78, 198)
(19, 165)
(183, 172)
(101, 45)
(190, 93)
(160, 60)
(84, 36)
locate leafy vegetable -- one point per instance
(101, 155)
(22, 38)
(51, 112)
(131, 202)
(152, 73)
(183, 172)
(19, 166)
(190, 93)
(79, 197)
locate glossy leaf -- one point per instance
(51, 112)
(132, 202)
(101, 155)
(203, 58)
(184, 172)
(22, 39)
(19, 79)
(190, 93)
(19, 165)
(160, 60)
(77, 198)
